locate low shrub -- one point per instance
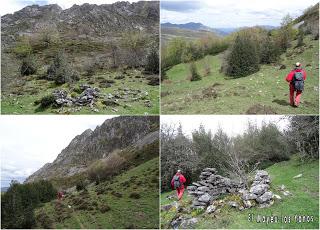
(46, 101)
(80, 185)
(60, 71)
(106, 168)
(153, 62)
(195, 76)
(28, 66)
(104, 208)
(135, 195)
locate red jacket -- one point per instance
(182, 180)
(291, 74)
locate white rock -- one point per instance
(297, 176)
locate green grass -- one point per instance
(235, 96)
(305, 200)
(125, 212)
(21, 98)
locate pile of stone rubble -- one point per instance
(210, 187)
(87, 96)
(259, 191)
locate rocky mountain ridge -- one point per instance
(114, 134)
(87, 20)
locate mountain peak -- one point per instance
(114, 134)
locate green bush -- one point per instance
(28, 66)
(195, 76)
(106, 168)
(60, 71)
(80, 185)
(269, 51)
(134, 195)
(153, 62)
(243, 58)
(19, 202)
(46, 101)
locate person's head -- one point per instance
(298, 65)
(178, 171)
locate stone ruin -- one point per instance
(90, 95)
(211, 186)
(87, 96)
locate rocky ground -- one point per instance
(214, 194)
(125, 92)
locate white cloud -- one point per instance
(235, 13)
(28, 142)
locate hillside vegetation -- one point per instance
(264, 92)
(129, 200)
(92, 59)
(304, 201)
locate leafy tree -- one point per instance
(18, 203)
(176, 153)
(60, 70)
(28, 66)
(243, 58)
(304, 134)
(269, 51)
(195, 76)
(153, 61)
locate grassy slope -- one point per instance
(236, 96)
(18, 96)
(305, 200)
(24, 104)
(125, 212)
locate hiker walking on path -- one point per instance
(60, 195)
(177, 183)
(296, 80)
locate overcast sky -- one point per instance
(231, 124)
(232, 13)
(11, 6)
(28, 142)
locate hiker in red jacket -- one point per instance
(60, 195)
(177, 183)
(296, 80)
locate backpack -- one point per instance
(176, 181)
(298, 81)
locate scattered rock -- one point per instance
(297, 176)
(233, 204)
(247, 203)
(267, 196)
(166, 207)
(205, 198)
(211, 209)
(282, 187)
(110, 102)
(277, 196)
(282, 67)
(286, 193)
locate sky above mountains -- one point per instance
(232, 13)
(28, 142)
